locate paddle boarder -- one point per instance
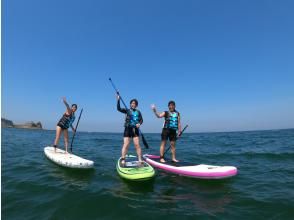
(172, 124)
(64, 123)
(133, 121)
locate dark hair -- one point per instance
(171, 103)
(134, 100)
(74, 105)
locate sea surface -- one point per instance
(35, 188)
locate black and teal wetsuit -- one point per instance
(170, 126)
(133, 117)
(66, 121)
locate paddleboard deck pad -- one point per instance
(67, 159)
(134, 170)
(201, 171)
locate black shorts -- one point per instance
(61, 125)
(168, 133)
(131, 132)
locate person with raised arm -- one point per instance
(133, 121)
(64, 123)
(172, 124)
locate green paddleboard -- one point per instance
(133, 170)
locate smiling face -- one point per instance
(171, 107)
(73, 108)
(133, 105)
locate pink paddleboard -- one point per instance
(201, 171)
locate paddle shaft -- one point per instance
(117, 92)
(75, 130)
(179, 137)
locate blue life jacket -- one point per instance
(171, 120)
(133, 117)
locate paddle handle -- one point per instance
(117, 92)
(183, 130)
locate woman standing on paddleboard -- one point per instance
(171, 125)
(64, 123)
(133, 121)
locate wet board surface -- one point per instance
(69, 160)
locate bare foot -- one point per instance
(123, 161)
(175, 160)
(140, 163)
(162, 160)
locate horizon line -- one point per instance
(195, 132)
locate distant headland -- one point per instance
(5, 123)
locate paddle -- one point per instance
(117, 92)
(178, 137)
(75, 130)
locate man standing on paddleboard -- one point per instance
(133, 122)
(64, 123)
(172, 124)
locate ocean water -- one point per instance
(35, 188)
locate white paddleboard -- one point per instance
(201, 171)
(67, 159)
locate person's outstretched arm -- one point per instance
(158, 115)
(122, 110)
(68, 109)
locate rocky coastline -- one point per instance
(5, 123)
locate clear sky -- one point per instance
(229, 65)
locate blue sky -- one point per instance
(227, 64)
